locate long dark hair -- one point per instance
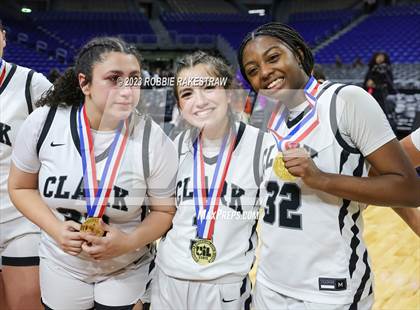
(66, 90)
(287, 35)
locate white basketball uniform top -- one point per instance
(415, 137)
(312, 245)
(60, 178)
(14, 109)
(234, 235)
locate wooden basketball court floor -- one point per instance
(395, 255)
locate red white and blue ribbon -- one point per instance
(2, 70)
(308, 123)
(207, 202)
(97, 195)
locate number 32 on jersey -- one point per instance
(288, 200)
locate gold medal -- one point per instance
(203, 251)
(92, 225)
(280, 170)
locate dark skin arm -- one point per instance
(396, 183)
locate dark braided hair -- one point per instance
(66, 90)
(287, 35)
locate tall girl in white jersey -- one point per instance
(411, 145)
(312, 250)
(80, 173)
(204, 260)
(20, 88)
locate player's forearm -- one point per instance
(30, 204)
(152, 228)
(390, 189)
(411, 217)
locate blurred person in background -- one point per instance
(358, 62)
(318, 73)
(379, 80)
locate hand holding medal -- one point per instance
(293, 161)
(107, 245)
(298, 163)
(68, 237)
(280, 169)
(93, 226)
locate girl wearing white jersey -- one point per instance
(80, 158)
(312, 251)
(411, 145)
(20, 88)
(203, 261)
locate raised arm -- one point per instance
(364, 125)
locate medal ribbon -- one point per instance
(210, 202)
(2, 70)
(304, 127)
(97, 195)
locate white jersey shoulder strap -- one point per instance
(45, 128)
(28, 91)
(145, 148)
(334, 124)
(8, 78)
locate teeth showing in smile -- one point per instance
(203, 113)
(275, 83)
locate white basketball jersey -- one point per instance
(235, 228)
(15, 107)
(312, 247)
(61, 181)
(415, 138)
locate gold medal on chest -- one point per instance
(92, 225)
(280, 170)
(203, 251)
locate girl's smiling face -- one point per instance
(205, 106)
(272, 66)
